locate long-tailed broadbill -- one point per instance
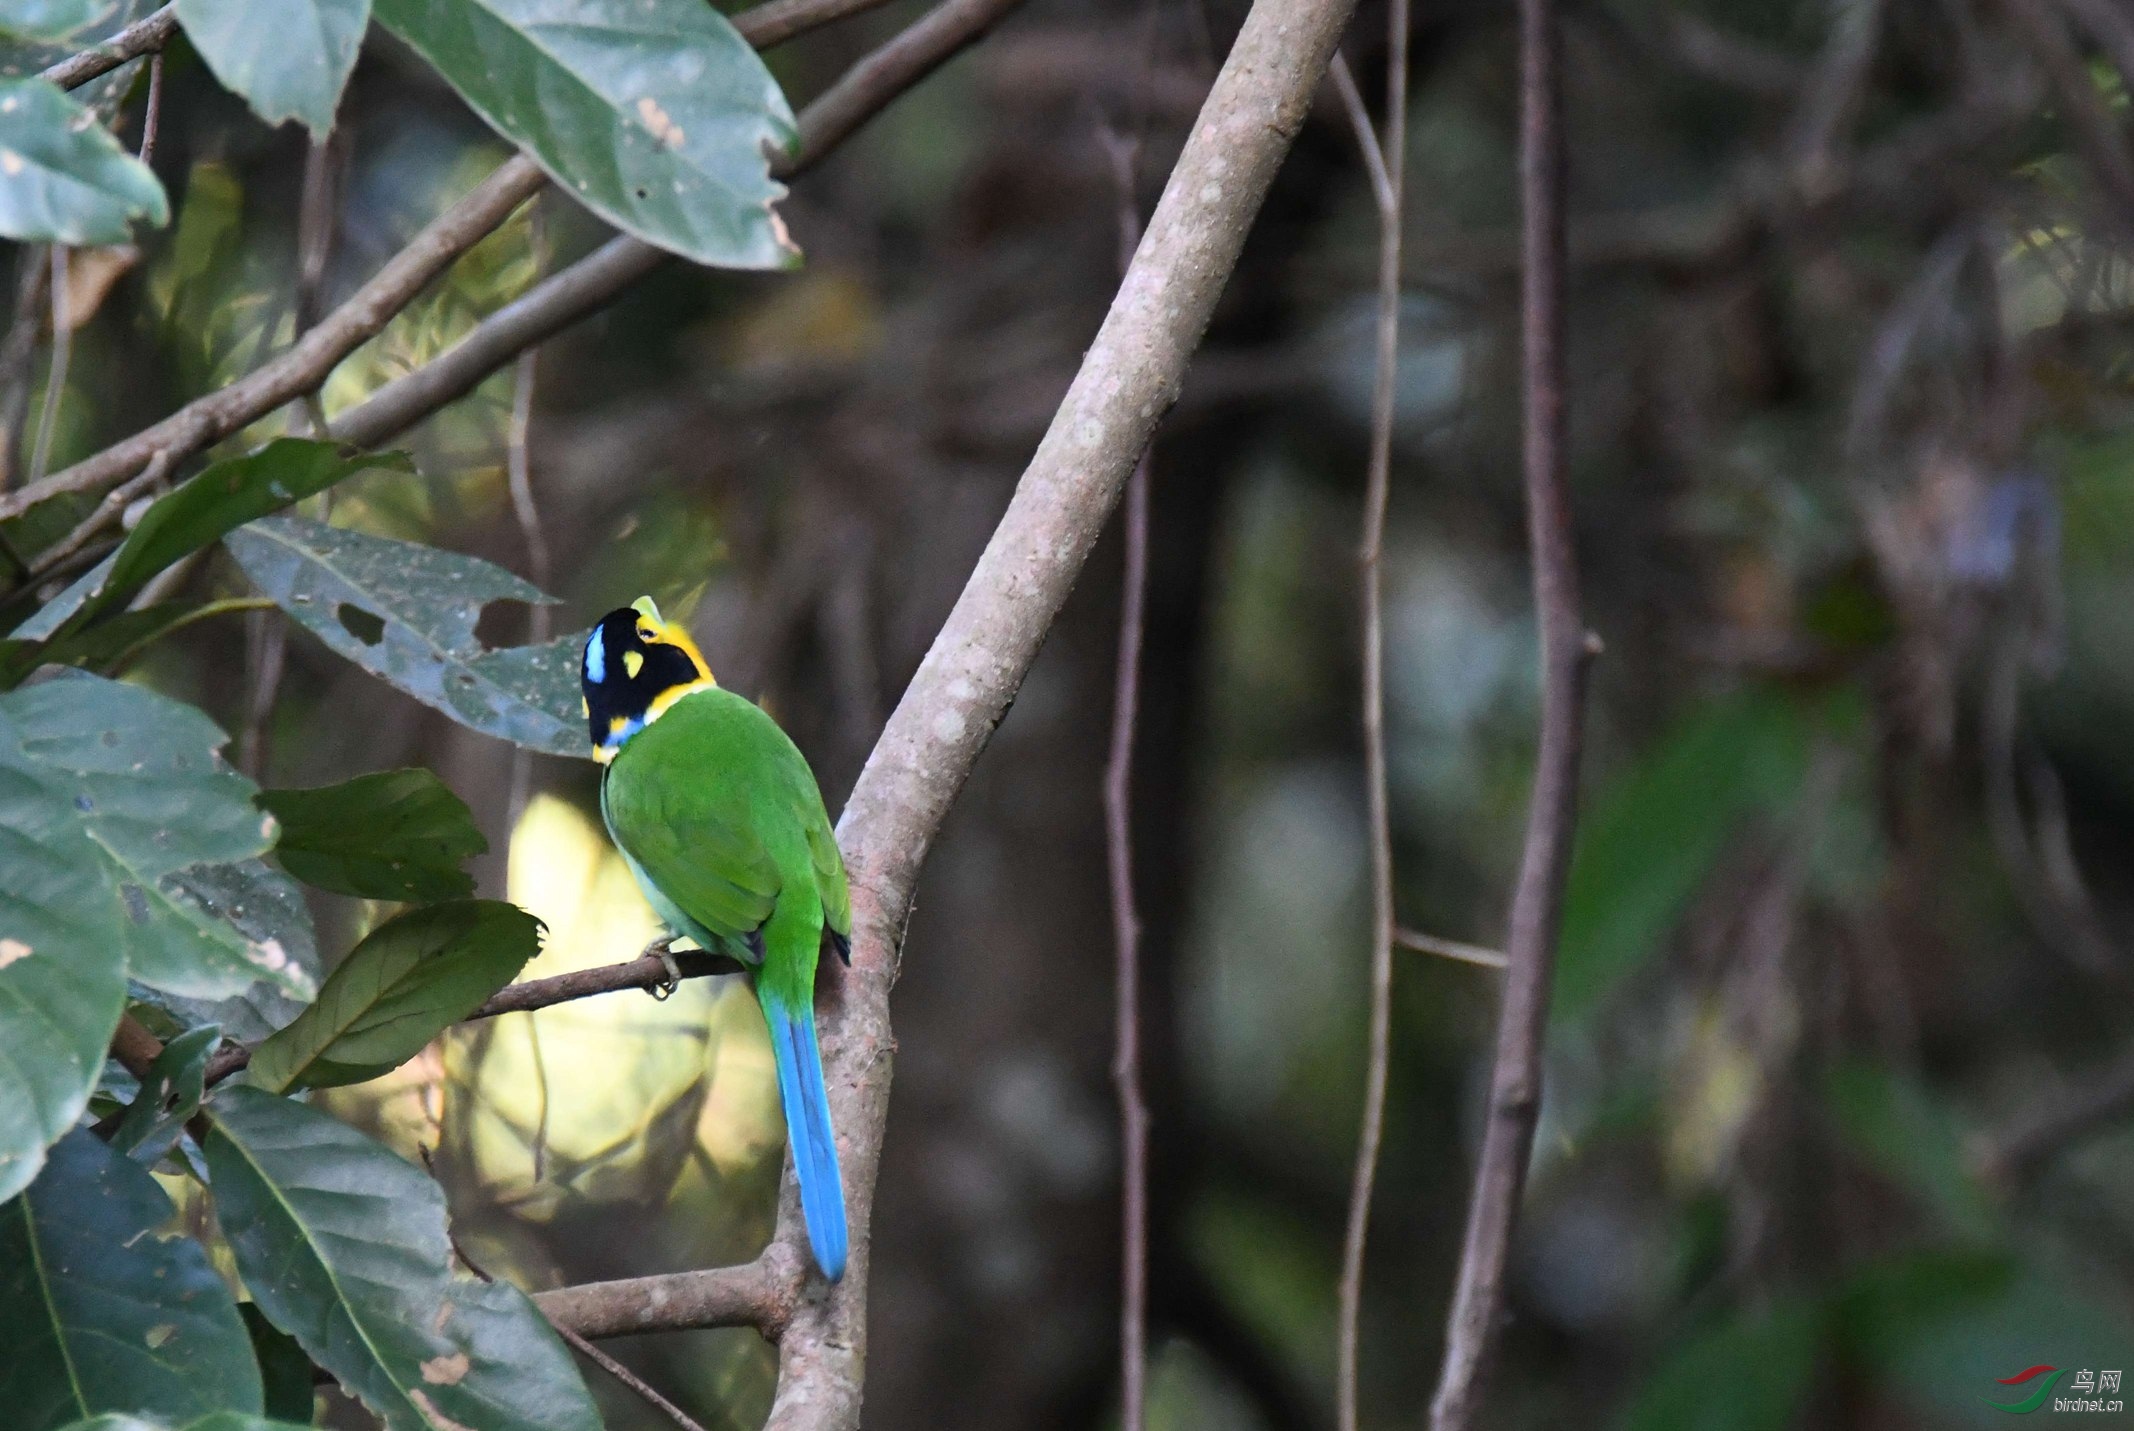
(718, 815)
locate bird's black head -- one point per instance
(634, 666)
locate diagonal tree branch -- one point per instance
(1537, 899)
(149, 33)
(593, 282)
(307, 363)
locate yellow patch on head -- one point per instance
(633, 662)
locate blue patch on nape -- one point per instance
(596, 657)
(621, 733)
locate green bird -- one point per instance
(720, 819)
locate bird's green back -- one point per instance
(719, 814)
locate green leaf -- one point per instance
(267, 908)
(109, 795)
(199, 512)
(656, 115)
(284, 1370)
(109, 646)
(1651, 837)
(398, 834)
(1895, 1125)
(63, 178)
(290, 66)
(343, 1246)
(1747, 1372)
(170, 1095)
(51, 20)
(410, 979)
(97, 1312)
(406, 613)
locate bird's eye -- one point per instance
(647, 634)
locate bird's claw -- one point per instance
(663, 950)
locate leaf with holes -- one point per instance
(98, 1313)
(343, 1246)
(409, 980)
(63, 178)
(656, 114)
(291, 65)
(111, 797)
(197, 513)
(406, 613)
(170, 1095)
(267, 908)
(397, 834)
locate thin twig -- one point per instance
(518, 477)
(55, 381)
(1537, 900)
(308, 361)
(1449, 948)
(1388, 182)
(1119, 859)
(773, 24)
(1374, 159)
(55, 559)
(628, 1378)
(648, 972)
(317, 223)
(152, 110)
(266, 652)
(151, 32)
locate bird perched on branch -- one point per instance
(719, 817)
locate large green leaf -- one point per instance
(289, 62)
(397, 834)
(198, 512)
(343, 1246)
(99, 1313)
(110, 798)
(655, 114)
(63, 178)
(267, 908)
(406, 613)
(410, 979)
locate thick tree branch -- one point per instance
(1129, 376)
(1530, 948)
(594, 281)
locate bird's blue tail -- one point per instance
(807, 1124)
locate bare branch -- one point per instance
(152, 110)
(773, 24)
(307, 361)
(1374, 160)
(1387, 159)
(761, 1294)
(648, 972)
(149, 33)
(1119, 863)
(593, 282)
(1537, 900)
(637, 1384)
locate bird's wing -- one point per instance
(829, 864)
(692, 840)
